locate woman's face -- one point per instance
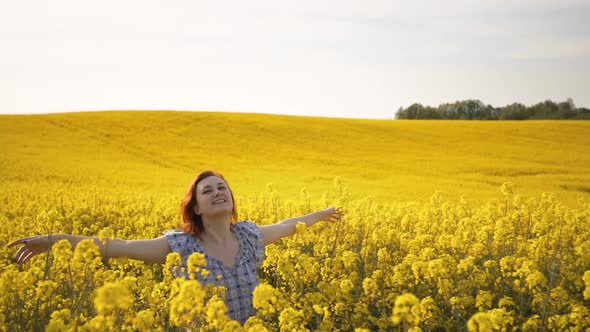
(213, 197)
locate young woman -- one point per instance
(233, 250)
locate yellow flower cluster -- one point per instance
(515, 263)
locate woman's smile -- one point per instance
(219, 201)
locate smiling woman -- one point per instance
(233, 250)
(200, 198)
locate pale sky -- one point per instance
(334, 58)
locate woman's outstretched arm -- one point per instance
(275, 232)
(149, 251)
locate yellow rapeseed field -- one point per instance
(448, 225)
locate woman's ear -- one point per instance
(196, 209)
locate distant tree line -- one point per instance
(476, 110)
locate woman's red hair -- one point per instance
(192, 222)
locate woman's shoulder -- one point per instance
(248, 229)
(181, 241)
(245, 225)
(177, 236)
(175, 232)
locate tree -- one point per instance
(514, 111)
(566, 109)
(474, 109)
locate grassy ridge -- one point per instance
(160, 153)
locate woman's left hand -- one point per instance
(331, 214)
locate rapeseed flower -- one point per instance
(265, 298)
(406, 310)
(480, 322)
(112, 296)
(506, 259)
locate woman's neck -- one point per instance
(217, 230)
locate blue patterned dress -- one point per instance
(241, 278)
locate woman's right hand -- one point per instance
(31, 246)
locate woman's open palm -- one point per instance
(332, 214)
(31, 246)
